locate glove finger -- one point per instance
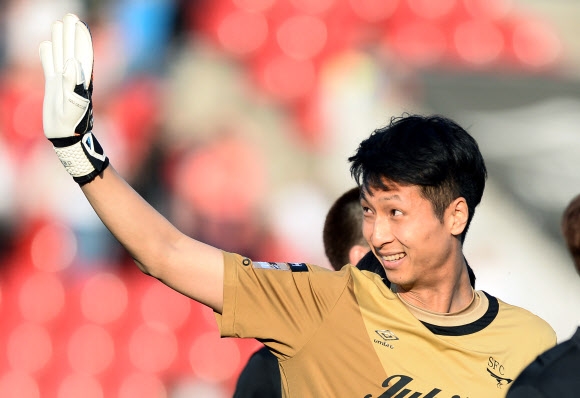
(72, 75)
(68, 36)
(57, 50)
(84, 51)
(45, 51)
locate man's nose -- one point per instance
(382, 233)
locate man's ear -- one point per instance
(356, 253)
(457, 215)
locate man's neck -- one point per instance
(437, 302)
(450, 296)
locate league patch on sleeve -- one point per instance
(298, 267)
(293, 267)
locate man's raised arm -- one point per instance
(159, 249)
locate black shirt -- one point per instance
(555, 373)
(260, 378)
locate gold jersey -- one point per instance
(346, 334)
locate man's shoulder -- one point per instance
(519, 317)
(565, 354)
(523, 314)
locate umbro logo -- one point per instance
(386, 335)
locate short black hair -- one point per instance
(432, 152)
(343, 228)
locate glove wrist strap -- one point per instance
(82, 156)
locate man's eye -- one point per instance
(366, 209)
(397, 212)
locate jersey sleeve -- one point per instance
(279, 304)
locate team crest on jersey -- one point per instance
(501, 381)
(497, 371)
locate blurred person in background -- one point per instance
(342, 235)
(343, 244)
(421, 179)
(556, 372)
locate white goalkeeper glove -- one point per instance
(67, 112)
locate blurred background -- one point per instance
(235, 119)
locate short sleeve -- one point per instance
(280, 304)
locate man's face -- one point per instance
(413, 245)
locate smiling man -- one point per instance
(419, 252)
(421, 179)
(335, 334)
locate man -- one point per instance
(335, 334)
(555, 373)
(343, 244)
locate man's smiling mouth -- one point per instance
(394, 257)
